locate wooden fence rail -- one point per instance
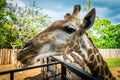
(8, 56)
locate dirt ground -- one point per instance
(23, 75)
(34, 74)
(116, 72)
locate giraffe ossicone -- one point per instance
(66, 36)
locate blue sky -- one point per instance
(57, 8)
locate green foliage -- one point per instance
(113, 62)
(18, 25)
(7, 32)
(17, 43)
(2, 3)
(105, 34)
(88, 7)
(29, 23)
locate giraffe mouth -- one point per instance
(28, 60)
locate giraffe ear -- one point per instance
(89, 19)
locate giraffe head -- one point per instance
(55, 38)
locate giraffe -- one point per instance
(66, 36)
(93, 59)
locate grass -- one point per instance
(113, 62)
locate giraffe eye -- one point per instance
(69, 30)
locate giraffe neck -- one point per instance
(93, 59)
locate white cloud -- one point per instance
(115, 19)
(59, 15)
(59, 7)
(110, 1)
(117, 16)
(20, 3)
(55, 15)
(102, 11)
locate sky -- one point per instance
(56, 9)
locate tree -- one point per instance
(29, 23)
(105, 34)
(20, 24)
(7, 32)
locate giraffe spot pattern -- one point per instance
(92, 57)
(89, 51)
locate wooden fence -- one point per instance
(110, 53)
(8, 56)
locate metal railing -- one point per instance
(64, 67)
